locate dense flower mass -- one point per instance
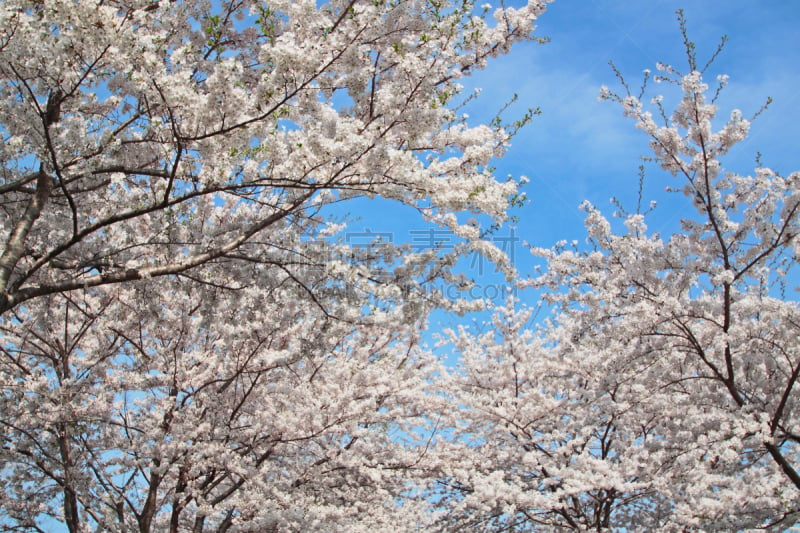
(188, 342)
(662, 395)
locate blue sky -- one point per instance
(582, 149)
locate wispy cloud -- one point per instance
(580, 148)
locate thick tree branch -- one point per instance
(15, 246)
(132, 274)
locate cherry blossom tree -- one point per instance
(146, 139)
(663, 392)
(206, 410)
(188, 341)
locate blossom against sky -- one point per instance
(580, 148)
(583, 149)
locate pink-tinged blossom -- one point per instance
(662, 392)
(189, 341)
